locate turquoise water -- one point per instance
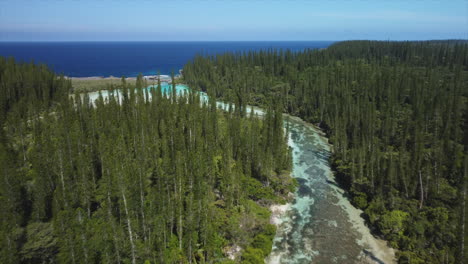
(167, 89)
(320, 225)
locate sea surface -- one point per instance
(83, 59)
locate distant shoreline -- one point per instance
(103, 59)
(98, 83)
(163, 77)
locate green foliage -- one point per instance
(396, 114)
(406, 257)
(264, 242)
(256, 191)
(41, 245)
(84, 85)
(375, 210)
(360, 200)
(260, 212)
(252, 256)
(392, 223)
(171, 180)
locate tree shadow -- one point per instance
(371, 256)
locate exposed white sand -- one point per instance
(278, 211)
(377, 247)
(374, 245)
(233, 252)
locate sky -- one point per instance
(226, 20)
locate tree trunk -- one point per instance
(62, 179)
(180, 229)
(463, 213)
(129, 224)
(142, 201)
(422, 190)
(462, 242)
(436, 175)
(83, 238)
(109, 212)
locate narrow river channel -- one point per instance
(320, 225)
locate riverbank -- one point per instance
(376, 250)
(320, 225)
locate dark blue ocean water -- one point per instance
(80, 59)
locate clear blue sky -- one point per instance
(84, 20)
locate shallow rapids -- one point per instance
(320, 225)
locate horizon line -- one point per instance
(61, 41)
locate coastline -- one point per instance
(99, 83)
(163, 77)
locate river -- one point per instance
(319, 225)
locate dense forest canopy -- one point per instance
(397, 116)
(167, 180)
(173, 180)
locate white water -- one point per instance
(320, 225)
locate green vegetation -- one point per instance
(84, 85)
(397, 116)
(169, 180)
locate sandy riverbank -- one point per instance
(321, 225)
(376, 250)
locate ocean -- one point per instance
(82, 59)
